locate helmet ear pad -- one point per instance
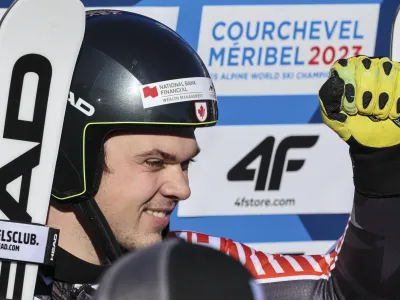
(101, 165)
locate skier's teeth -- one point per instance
(159, 214)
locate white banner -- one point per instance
(269, 169)
(282, 49)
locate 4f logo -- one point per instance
(241, 171)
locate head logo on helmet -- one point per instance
(81, 105)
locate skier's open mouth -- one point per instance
(159, 216)
(158, 213)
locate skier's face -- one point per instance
(147, 175)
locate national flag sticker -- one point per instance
(178, 90)
(201, 111)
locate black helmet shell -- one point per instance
(131, 71)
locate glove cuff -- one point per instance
(376, 170)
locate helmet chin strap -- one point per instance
(94, 222)
(98, 229)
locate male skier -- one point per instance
(138, 93)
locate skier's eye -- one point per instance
(155, 163)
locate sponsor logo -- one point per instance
(81, 105)
(29, 240)
(150, 92)
(261, 49)
(178, 90)
(201, 111)
(265, 151)
(53, 247)
(269, 161)
(211, 90)
(9, 247)
(18, 237)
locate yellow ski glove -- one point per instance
(361, 100)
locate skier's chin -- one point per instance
(143, 241)
(153, 239)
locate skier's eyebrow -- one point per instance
(158, 152)
(165, 155)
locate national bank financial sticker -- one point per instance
(177, 90)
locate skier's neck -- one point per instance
(73, 237)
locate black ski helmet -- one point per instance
(121, 53)
(131, 71)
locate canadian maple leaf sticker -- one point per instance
(201, 111)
